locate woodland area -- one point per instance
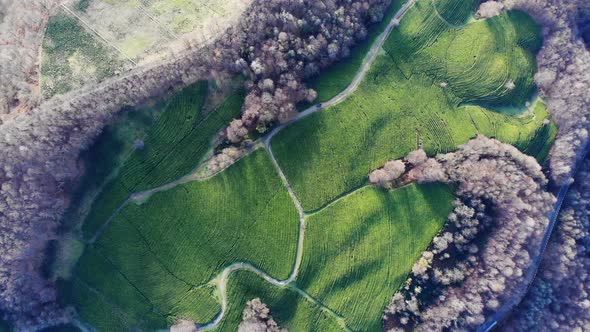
(559, 299)
(22, 24)
(563, 76)
(476, 262)
(285, 43)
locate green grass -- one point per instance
(94, 308)
(357, 253)
(73, 56)
(160, 260)
(401, 104)
(105, 156)
(337, 77)
(359, 250)
(288, 308)
(163, 252)
(174, 146)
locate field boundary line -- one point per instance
(71, 12)
(144, 10)
(367, 62)
(221, 280)
(140, 196)
(444, 20)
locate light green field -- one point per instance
(159, 256)
(288, 307)
(360, 249)
(401, 104)
(349, 266)
(136, 282)
(92, 40)
(174, 146)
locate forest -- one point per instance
(465, 261)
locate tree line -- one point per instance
(276, 45)
(478, 260)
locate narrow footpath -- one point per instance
(221, 280)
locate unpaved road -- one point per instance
(221, 280)
(507, 308)
(224, 276)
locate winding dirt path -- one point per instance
(504, 311)
(222, 279)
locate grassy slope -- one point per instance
(287, 306)
(155, 259)
(363, 246)
(163, 252)
(174, 146)
(401, 103)
(348, 265)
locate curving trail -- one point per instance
(221, 280)
(367, 62)
(141, 196)
(505, 310)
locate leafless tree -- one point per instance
(475, 263)
(559, 299)
(257, 318)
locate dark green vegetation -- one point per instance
(429, 87)
(82, 5)
(62, 328)
(155, 261)
(73, 56)
(174, 146)
(349, 266)
(107, 154)
(4, 326)
(434, 84)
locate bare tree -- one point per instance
(475, 263)
(257, 318)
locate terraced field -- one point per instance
(155, 260)
(174, 146)
(143, 273)
(440, 80)
(360, 248)
(202, 249)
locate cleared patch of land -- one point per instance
(73, 56)
(173, 147)
(422, 92)
(160, 256)
(91, 40)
